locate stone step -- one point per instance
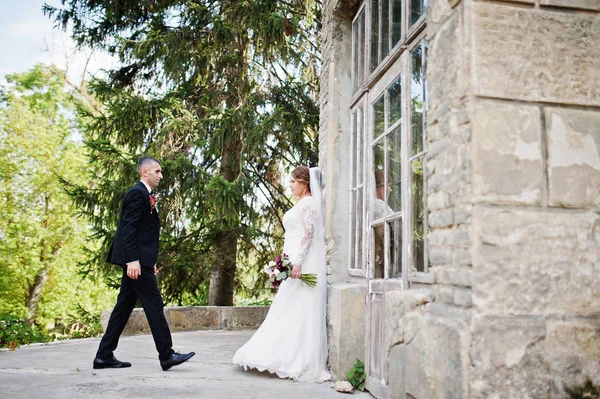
(192, 318)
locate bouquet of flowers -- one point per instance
(280, 269)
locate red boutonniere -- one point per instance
(152, 200)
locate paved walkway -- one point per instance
(64, 370)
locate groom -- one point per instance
(135, 248)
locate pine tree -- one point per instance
(224, 92)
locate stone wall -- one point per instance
(535, 84)
(192, 318)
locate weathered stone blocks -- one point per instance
(194, 318)
(536, 262)
(504, 363)
(432, 362)
(573, 157)
(346, 327)
(507, 153)
(445, 65)
(532, 357)
(535, 54)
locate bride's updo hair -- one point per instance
(302, 175)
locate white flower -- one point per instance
(272, 263)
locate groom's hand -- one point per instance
(155, 271)
(134, 269)
(296, 271)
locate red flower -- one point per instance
(152, 200)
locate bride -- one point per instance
(292, 341)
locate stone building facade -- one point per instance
(460, 140)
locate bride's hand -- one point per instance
(296, 271)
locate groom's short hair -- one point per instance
(146, 161)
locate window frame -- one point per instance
(374, 84)
(354, 188)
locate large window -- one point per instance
(388, 215)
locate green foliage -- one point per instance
(225, 94)
(42, 237)
(357, 376)
(15, 332)
(82, 324)
(587, 390)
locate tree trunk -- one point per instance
(35, 292)
(222, 276)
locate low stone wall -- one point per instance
(191, 318)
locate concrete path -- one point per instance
(64, 370)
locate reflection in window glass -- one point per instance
(395, 250)
(379, 208)
(385, 28)
(378, 250)
(355, 51)
(374, 34)
(417, 8)
(378, 120)
(396, 21)
(359, 144)
(393, 191)
(395, 100)
(418, 248)
(359, 212)
(417, 99)
(358, 43)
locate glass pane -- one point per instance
(417, 8)
(418, 248)
(385, 28)
(378, 120)
(395, 267)
(374, 34)
(425, 95)
(393, 191)
(395, 100)
(417, 99)
(359, 231)
(396, 21)
(361, 48)
(379, 208)
(352, 230)
(354, 148)
(359, 145)
(355, 53)
(378, 251)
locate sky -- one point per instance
(27, 37)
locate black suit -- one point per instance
(137, 239)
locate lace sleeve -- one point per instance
(307, 218)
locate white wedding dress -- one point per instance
(292, 341)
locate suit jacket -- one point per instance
(138, 230)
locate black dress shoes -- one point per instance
(175, 359)
(111, 363)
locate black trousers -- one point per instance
(146, 289)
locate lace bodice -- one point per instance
(299, 224)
